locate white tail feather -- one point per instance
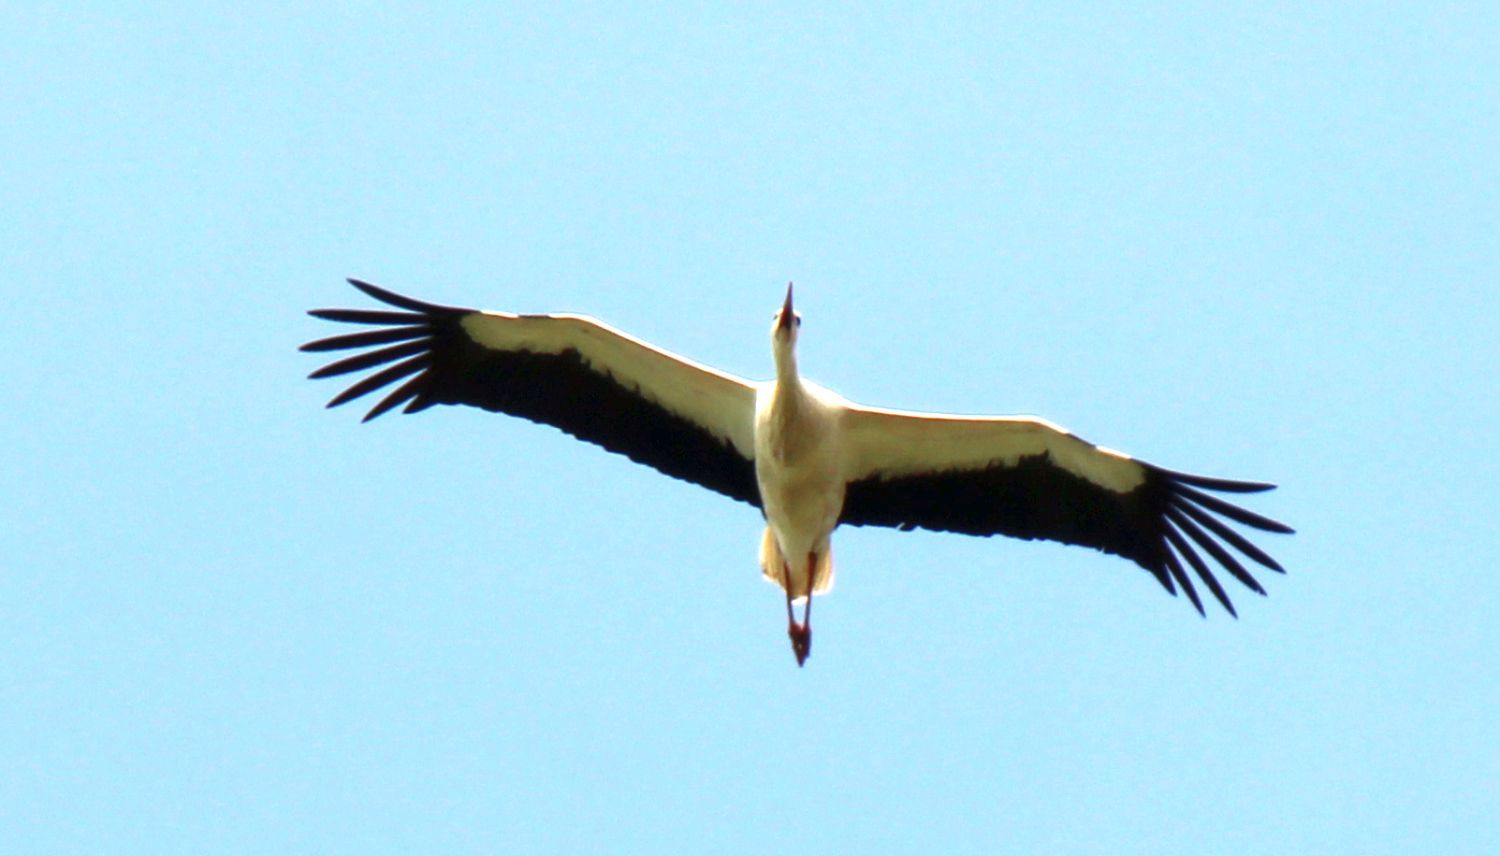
(773, 566)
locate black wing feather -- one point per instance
(375, 381)
(1182, 548)
(1185, 581)
(446, 366)
(1233, 538)
(365, 316)
(1233, 512)
(370, 359)
(367, 339)
(1215, 549)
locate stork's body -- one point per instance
(801, 481)
(807, 458)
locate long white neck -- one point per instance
(785, 355)
(786, 433)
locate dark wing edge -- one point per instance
(415, 337)
(426, 349)
(1161, 525)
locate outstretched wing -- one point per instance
(575, 373)
(1027, 478)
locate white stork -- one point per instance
(807, 458)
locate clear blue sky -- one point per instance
(1258, 244)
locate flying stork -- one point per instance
(806, 457)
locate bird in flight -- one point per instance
(809, 459)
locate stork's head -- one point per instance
(784, 324)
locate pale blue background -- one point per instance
(1259, 244)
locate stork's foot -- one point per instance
(801, 636)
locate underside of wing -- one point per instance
(1026, 478)
(574, 373)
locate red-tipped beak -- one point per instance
(787, 315)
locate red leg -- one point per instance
(786, 583)
(812, 567)
(801, 637)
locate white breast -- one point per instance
(799, 468)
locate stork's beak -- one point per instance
(784, 322)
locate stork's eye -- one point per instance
(797, 319)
